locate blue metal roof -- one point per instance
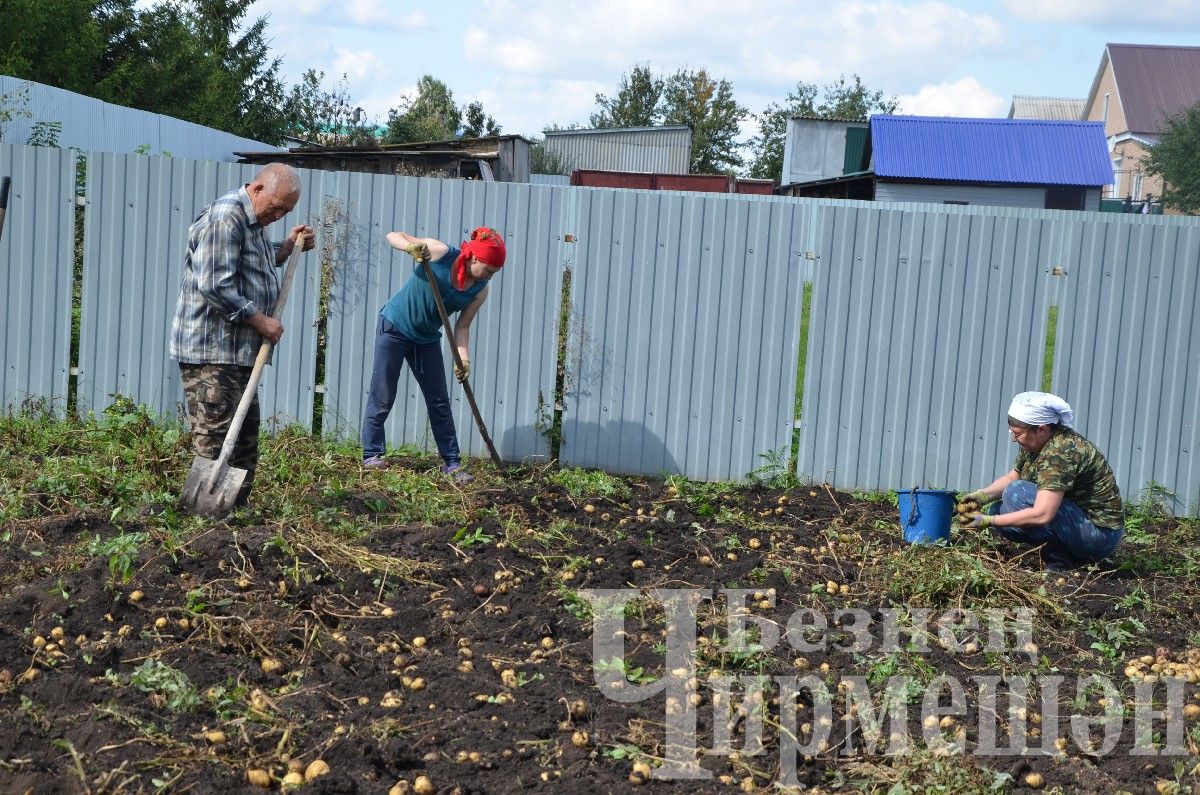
(1020, 151)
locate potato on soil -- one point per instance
(259, 778)
(315, 769)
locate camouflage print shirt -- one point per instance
(1071, 464)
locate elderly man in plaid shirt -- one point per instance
(229, 286)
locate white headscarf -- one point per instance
(1041, 408)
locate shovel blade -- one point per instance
(210, 492)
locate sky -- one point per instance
(533, 63)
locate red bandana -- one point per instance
(485, 245)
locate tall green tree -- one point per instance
(327, 117)
(243, 92)
(842, 99)
(60, 43)
(431, 116)
(1175, 157)
(638, 102)
(708, 107)
(198, 60)
(476, 123)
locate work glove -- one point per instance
(976, 521)
(972, 502)
(418, 251)
(463, 372)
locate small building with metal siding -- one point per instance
(819, 148)
(1028, 196)
(658, 150)
(498, 158)
(1003, 162)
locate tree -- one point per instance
(853, 100)
(242, 92)
(476, 123)
(196, 60)
(431, 116)
(58, 43)
(638, 102)
(708, 107)
(841, 99)
(327, 117)
(1174, 159)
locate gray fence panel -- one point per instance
(1126, 353)
(684, 335)
(135, 239)
(37, 253)
(924, 323)
(512, 338)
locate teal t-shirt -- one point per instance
(412, 309)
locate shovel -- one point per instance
(212, 486)
(437, 297)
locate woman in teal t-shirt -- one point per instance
(409, 329)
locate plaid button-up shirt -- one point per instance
(230, 273)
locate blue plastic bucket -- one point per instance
(925, 515)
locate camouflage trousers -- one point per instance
(213, 392)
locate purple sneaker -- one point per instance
(375, 462)
(455, 470)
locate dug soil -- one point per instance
(460, 658)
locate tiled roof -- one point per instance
(1017, 151)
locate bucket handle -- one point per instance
(913, 513)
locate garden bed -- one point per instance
(411, 634)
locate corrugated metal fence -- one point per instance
(135, 232)
(926, 320)
(36, 255)
(94, 125)
(684, 319)
(684, 333)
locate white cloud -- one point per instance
(526, 105)
(965, 97)
(1115, 15)
(516, 54)
(769, 41)
(311, 14)
(763, 47)
(356, 64)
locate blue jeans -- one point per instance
(392, 350)
(1069, 536)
